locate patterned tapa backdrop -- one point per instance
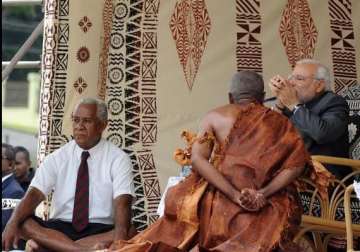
(160, 65)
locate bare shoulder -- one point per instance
(220, 121)
(217, 114)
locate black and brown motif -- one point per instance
(131, 95)
(85, 24)
(104, 52)
(344, 66)
(54, 77)
(190, 27)
(297, 31)
(148, 108)
(248, 44)
(116, 74)
(80, 85)
(53, 80)
(115, 106)
(83, 54)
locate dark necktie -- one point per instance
(81, 203)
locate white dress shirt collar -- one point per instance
(93, 151)
(110, 175)
(6, 177)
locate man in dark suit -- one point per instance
(11, 190)
(320, 115)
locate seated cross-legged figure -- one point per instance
(93, 191)
(11, 190)
(240, 196)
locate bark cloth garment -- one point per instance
(200, 218)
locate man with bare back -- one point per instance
(240, 196)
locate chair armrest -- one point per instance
(355, 164)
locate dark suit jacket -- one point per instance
(26, 183)
(323, 124)
(10, 190)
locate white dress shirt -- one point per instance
(110, 175)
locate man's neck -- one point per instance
(316, 98)
(246, 101)
(22, 178)
(93, 144)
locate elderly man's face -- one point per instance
(87, 128)
(304, 82)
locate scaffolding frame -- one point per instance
(15, 61)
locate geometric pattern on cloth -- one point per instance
(306, 200)
(83, 54)
(339, 212)
(53, 81)
(344, 66)
(190, 27)
(248, 44)
(127, 82)
(131, 96)
(80, 85)
(352, 96)
(104, 51)
(85, 24)
(297, 31)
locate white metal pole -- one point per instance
(23, 64)
(20, 2)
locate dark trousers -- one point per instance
(67, 228)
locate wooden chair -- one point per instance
(348, 219)
(320, 214)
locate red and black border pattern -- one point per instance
(248, 44)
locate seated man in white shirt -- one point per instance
(93, 190)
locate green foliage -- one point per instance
(23, 12)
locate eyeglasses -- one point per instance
(299, 77)
(83, 120)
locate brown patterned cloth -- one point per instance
(318, 175)
(200, 218)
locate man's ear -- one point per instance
(103, 125)
(320, 87)
(12, 163)
(231, 99)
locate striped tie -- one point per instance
(81, 203)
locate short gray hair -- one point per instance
(101, 108)
(247, 84)
(322, 72)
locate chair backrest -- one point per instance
(341, 201)
(326, 207)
